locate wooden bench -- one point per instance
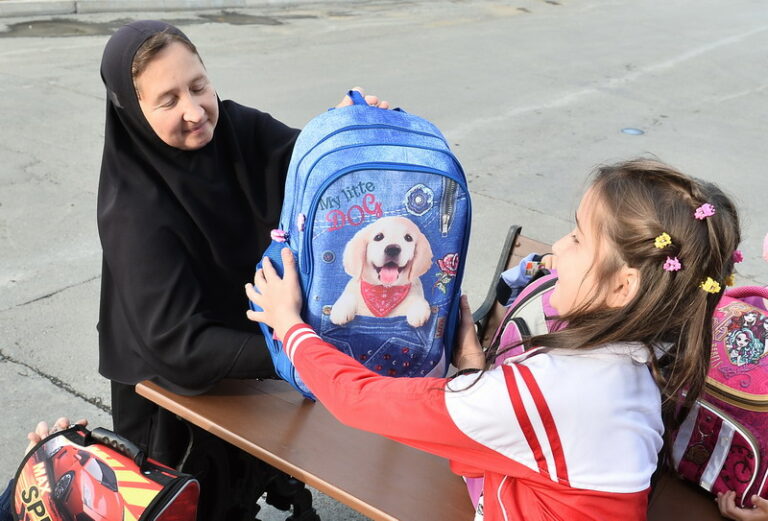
(382, 479)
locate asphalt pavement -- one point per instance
(532, 95)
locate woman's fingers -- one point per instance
(42, 429)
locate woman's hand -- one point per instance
(42, 431)
(468, 353)
(372, 100)
(279, 299)
(727, 504)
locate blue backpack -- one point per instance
(377, 214)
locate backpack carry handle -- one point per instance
(356, 97)
(747, 291)
(120, 444)
(359, 99)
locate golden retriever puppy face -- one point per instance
(391, 251)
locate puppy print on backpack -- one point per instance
(385, 260)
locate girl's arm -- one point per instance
(420, 412)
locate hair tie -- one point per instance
(737, 256)
(672, 264)
(710, 285)
(662, 241)
(704, 211)
(730, 280)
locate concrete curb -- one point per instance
(14, 8)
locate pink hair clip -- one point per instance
(737, 256)
(672, 264)
(704, 211)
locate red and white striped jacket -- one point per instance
(569, 435)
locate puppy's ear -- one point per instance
(422, 257)
(354, 254)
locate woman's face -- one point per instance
(177, 99)
(742, 340)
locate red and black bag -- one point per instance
(82, 475)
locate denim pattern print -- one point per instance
(388, 345)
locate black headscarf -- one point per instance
(181, 232)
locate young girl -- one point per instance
(570, 430)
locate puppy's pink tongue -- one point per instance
(388, 274)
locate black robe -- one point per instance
(181, 232)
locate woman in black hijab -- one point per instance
(190, 187)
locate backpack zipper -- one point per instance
(448, 205)
(724, 393)
(352, 128)
(747, 436)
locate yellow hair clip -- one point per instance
(710, 285)
(662, 241)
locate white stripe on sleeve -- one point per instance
(294, 339)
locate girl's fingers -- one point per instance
(256, 316)
(466, 311)
(289, 265)
(252, 294)
(761, 504)
(269, 271)
(260, 280)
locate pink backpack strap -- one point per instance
(754, 295)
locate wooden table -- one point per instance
(379, 478)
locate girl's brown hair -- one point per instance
(152, 46)
(670, 314)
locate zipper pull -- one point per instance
(278, 235)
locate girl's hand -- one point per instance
(280, 299)
(727, 504)
(42, 431)
(468, 353)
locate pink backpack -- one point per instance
(723, 442)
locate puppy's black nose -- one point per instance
(392, 250)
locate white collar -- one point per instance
(634, 350)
